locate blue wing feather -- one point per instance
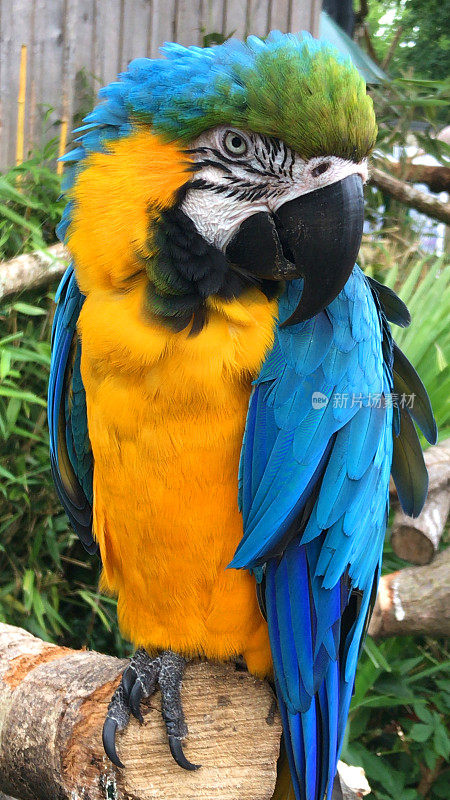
(319, 573)
(70, 451)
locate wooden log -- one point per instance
(414, 601)
(52, 705)
(417, 540)
(437, 461)
(409, 196)
(31, 270)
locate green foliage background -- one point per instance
(48, 584)
(425, 37)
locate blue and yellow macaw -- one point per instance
(221, 395)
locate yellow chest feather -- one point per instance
(166, 416)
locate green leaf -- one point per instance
(441, 784)
(426, 673)
(5, 364)
(94, 602)
(27, 586)
(9, 192)
(38, 608)
(29, 310)
(11, 338)
(20, 221)
(358, 723)
(375, 654)
(53, 547)
(441, 359)
(420, 732)
(384, 702)
(424, 713)
(12, 411)
(441, 742)
(430, 757)
(380, 770)
(25, 396)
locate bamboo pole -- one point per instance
(62, 144)
(21, 105)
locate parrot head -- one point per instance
(253, 174)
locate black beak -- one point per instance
(316, 236)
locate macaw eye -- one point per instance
(235, 144)
(320, 169)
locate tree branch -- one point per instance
(32, 269)
(369, 44)
(409, 196)
(414, 601)
(392, 48)
(40, 268)
(436, 177)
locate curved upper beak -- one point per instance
(316, 236)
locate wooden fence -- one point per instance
(75, 46)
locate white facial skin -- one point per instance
(243, 173)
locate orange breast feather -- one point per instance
(166, 415)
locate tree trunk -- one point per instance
(414, 601)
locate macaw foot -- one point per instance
(140, 679)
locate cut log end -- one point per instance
(414, 601)
(417, 540)
(53, 702)
(231, 734)
(411, 545)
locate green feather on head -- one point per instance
(292, 87)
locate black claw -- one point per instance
(134, 701)
(177, 752)
(128, 680)
(109, 741)
(139, 680)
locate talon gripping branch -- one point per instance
(214, 216)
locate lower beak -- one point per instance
(316, 236)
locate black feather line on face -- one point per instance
(187, 270)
